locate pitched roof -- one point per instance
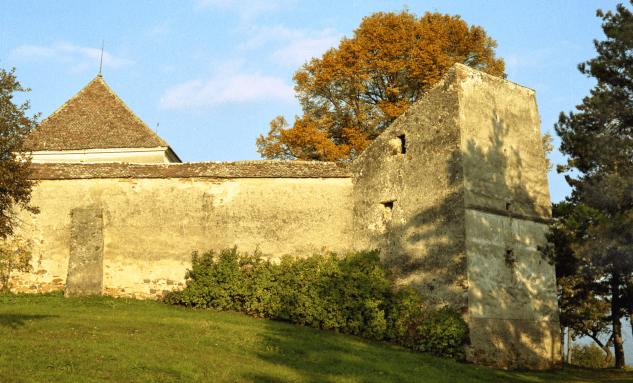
(94, 118)
(238, 169)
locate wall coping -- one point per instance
(236, 169)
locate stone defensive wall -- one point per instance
(129, 229)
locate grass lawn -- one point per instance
(48, 338)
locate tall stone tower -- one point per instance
(455, 194)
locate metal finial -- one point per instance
(101, 64)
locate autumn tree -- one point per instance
(598, 138)
(15, 184)
(548, 148)
(352, 94)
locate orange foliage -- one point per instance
(546, 140)
(352, 94)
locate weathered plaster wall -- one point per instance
(513, 312)
(136, 155)
(422, 239)
(512, 289)
(85, 264)
(503, 155)
(151, 226)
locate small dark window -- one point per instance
(508, 205)
(388, 205)
(509, 257)
(403, 148)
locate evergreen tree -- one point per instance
(599, 141)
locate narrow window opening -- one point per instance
(509, 256)
(403, 148)
(508, 205)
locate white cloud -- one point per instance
(160, 30)
(304, 48)
(216, 3)
(81, 58)
(511, 61)
(298, 45)
(247, 9)
(233, 88)
(32, 52)
(549, 56)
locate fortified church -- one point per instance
(454, 193)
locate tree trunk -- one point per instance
(617, 326)
(629, 298)
(604, 348)
(562, 343)
(568, 345)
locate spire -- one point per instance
(101, 64)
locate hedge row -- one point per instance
(351, 295)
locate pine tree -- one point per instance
(599, 141)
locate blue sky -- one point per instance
(212, 74)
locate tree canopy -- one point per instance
(15, 185)
(598, 138)
(352, 94)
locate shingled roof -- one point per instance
(94, 118)
(239, 169)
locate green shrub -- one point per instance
(351, 295)
(444, 333)
(590, 356)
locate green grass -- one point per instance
(47, 338)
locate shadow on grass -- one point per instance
(15, 320)
(323, 356)
(572, 373)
